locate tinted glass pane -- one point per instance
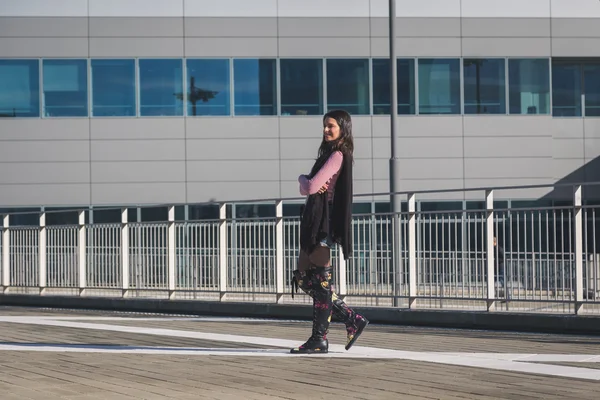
(529, 86)
(592, 90)
(65, 88)
(301, 87)
(439, 86)
(348, 85)
(19, 88)
(255, 87)
(485, 92)
(208, 87)
(161, 86)
(566, 89)
(113, 88)
(381, 86)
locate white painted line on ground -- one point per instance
(495, 361)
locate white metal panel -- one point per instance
(417, 8)
(325, 9)
(575, 8)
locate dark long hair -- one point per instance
(345, 143)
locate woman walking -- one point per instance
(326, 220)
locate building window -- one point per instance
(65, 88)
(484, 86)
(529, 86)
(439, 86)
(254, 82)
(566, 89)
(591, 78)
(348, 85)
(113, 88)
(161, 87)
(208, 87)
(381, 86)
(301, 86)
(19, 88)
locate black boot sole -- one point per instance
(309, 351)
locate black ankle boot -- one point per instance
(314, 345)
(355, 329)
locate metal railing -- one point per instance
(441, 259)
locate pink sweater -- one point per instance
(327, 174)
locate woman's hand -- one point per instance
(323, 189)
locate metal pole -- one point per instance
(394, 175)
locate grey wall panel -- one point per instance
(137, 128)
(43, 27)
(136, 47)
(502, 126)
(314, 27)
(44, 8)
(409, 185)
(230, 8)
(136, 172)
(44, 151)
(506, 47)
(425, 147)
(568, 148)
(294, 149)
(135, 8)
(361, 126)
(138, 193)
(506, 27)
(418, 47)
(575, 27)
(232, 149)
(509, 194)
(319, 8)
(310, 128)
(508, 146)
(138, 150)
(584, 9)
(43, 47)
(568, 128)
(233, 170)
(413, 126)
(44, 129)
(420, 8)
(289, 189)
(227, 191)
(232, 128)
(47, 195)
(505, 9)
(517, 168)
(136, 27)
(230, 27)
(417, 27)
(592, 148)
(324, 47)
(591, 127)
(230, 47)
(421, 168)
(44, 173)
(576, 47)
(570, 169)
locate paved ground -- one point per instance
(65, 354)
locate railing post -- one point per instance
(578, 236)
(42, 236)
(223, 248)
(171, 252)
(343, 268)
(412, 251)
(279, 259)
(82, 251)
(124, 252)
(489, 244)
(5, 253)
